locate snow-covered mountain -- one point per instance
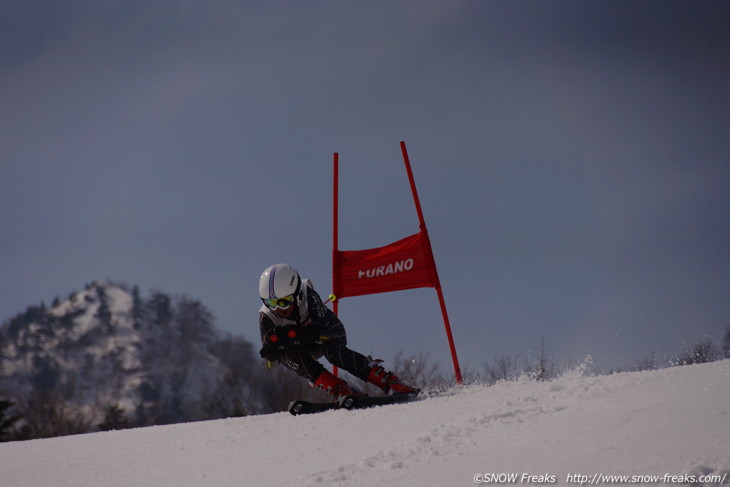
(154, 360)
(663, 427)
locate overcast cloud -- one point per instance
(572, 158)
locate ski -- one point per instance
(360, 402)
(309, 407)
(348, 402)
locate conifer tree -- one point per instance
(6, 420)
(114, 419)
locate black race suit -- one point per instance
(302, 358)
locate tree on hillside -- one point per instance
(726, 343)
(194, 321)
(7, 421)
(138, 309)
(504, 369)
(114, 419)
(46, 415)
(238, 392)
(104, 314)
(162, 357)
(160, 309)
(648, 363)
(701, 353)
(543, 368)
(418, 369)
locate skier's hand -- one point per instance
(269, 354)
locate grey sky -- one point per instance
(572, 158)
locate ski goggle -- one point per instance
(282, 303)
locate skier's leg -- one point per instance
(336, 352)
(353, 362)
(387, 381)
(304, 362)
(365, 368)
(334, 385)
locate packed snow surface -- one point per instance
(664, 427)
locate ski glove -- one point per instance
(269, 354)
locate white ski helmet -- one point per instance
(279, 281)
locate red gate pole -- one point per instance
(335, 243)
(442, 303)
(335, 218)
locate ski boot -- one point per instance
(334, 385)
(388, 382)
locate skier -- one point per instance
(297, 329)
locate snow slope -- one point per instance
(672, 421)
